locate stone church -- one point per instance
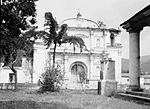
(101, 42)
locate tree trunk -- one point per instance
(11, 66)
(54, 55)
(32, 77)
(30, 69)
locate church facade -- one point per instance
(101, 43)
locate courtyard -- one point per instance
(27, 97)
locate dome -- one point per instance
(79, 22)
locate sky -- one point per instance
(111, 12)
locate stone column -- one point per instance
(134, 59)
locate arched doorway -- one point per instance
(78, 73)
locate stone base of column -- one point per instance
(134, 88)
(108, 87)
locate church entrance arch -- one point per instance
(78, 73)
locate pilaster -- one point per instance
(39, 60)
(91, 67)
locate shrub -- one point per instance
(52, 80)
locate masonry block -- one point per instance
(108, 87)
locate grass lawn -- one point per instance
(28, 98)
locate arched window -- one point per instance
(97, 43)
(112, 39)
(97, 70)
(96, 73)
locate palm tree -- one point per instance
(56, 36)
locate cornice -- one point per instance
(133, 27)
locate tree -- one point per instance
(17, 16)
(56, 36)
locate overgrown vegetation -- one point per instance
(52, 79)
(82, 79)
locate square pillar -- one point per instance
(109, 84)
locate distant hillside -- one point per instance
(145, 59)
(145, 64)
(125, 65)
(145, 67)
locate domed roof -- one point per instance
(79, 22)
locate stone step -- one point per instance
(138, 99)
(143, 94)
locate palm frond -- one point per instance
(74, 40)
(61, 33)
(51, 22)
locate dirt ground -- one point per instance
(28, 98)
